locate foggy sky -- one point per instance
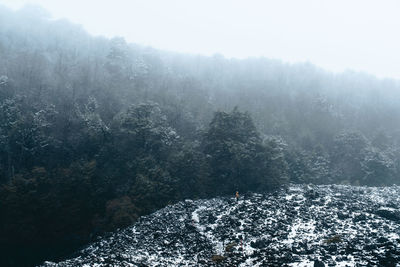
(362, 35)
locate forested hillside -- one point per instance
(96, 132)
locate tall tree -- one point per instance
(237, 156)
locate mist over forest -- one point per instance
(96, 132)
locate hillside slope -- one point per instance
(96, 132)
(299, 226)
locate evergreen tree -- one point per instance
(237, 157)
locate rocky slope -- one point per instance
(299, 226)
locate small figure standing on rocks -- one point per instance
(237, 196)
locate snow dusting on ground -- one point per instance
(302, 225)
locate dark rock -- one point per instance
(342, 215)
(382, 239)
(311, 194)
(190, 227)
(359, 218)
(370, 247)
(393, 215)
(388, 260)
(318, 263)
(332, 248)
(258, 244)
(340, 204)
(211, 219)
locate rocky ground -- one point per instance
(299, 226)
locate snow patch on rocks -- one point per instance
(301, 225)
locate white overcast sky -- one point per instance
(361, 35)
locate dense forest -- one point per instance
(96, 132)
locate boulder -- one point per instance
(390, 214)
(318, 263)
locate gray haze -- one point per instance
(361, 35)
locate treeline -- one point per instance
(62, 192)
(95, 132)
